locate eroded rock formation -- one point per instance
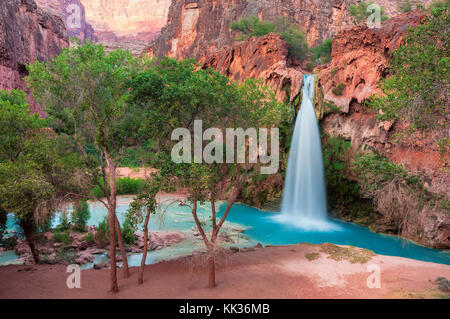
(259, 57)
(27, 34)
(197, 28)
(360, 57)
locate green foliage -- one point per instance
(128, 233)
(417, 88)
(361, 11)
(64, 224)
(62, 237)
(252, 26)
(331, 107)
(322, 53)
(128, 186)
(102, 235)
(339, 90)
(443, 147)
(85, 91)
(37, 168)
(310, 65)
(377, 171)
(89, 237)
(124, 186)
(3, 219)
(439, 4)
(80, 216)
(343, 194)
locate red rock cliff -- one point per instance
(360, 57)
(27, 34)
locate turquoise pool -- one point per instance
(257, 226)
(263, 228)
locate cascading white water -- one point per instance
(304, 198)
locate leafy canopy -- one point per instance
(417, 88)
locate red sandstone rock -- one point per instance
(259, 57)
(27, 34)
(360, 57)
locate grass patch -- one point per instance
(338, 90)
(312, 256)
(352, 254)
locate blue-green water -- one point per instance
(258, 226)
(265, 229)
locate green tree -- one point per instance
(80, 216)
(322, 52)
(37, 168)
(175, 94)
(417, 87)
(361, 11)
(85, 91)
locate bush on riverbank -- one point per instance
(124, 186)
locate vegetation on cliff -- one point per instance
(292, 34)
(418, 82)
(363, 10)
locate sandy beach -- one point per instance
(295, 271)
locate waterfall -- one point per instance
(304, 198)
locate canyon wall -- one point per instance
(197, 28)
(360, 58)
(259, 57)
(126, 20)
(73, 15)
(27, 33)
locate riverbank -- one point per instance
(293, 271)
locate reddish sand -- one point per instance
(272, 272)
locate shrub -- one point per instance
(124, 186)
(64, 225)
(310, 65)
(338, 90)
(80, 216)
(102, 235)
(322, 52)
(252, 26)
(62, 237)
(128, 233)
(128, 186)
(360, 12)
(89, 237)
(417, 88)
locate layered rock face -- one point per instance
(73, 15)
(259, 57)
(197, 28)
(27, 34)
(126, 20)
(360, 57)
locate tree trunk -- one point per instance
(126, 273)
(144, 254)
(112, 223)
(211, 269)
(28, 229)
